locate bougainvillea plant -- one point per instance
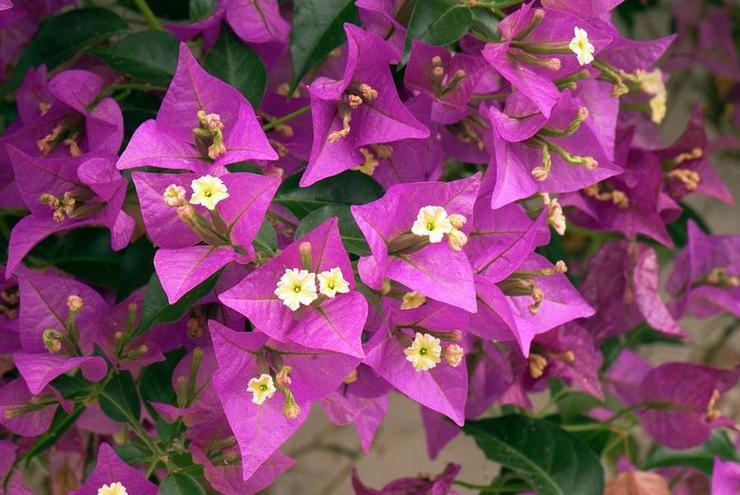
(220, 215)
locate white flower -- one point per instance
(208, 191)
(262, 388)
(116, 488)
(174, 195)
(432, 221)
(296, 287)
(331, 282)
(424, 352)
(580, 45)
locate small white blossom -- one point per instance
(580, 45)
(424, 352)
(262, 388)
(432, 221)
(208, 191)
(332, 282)
(296, 287)
(116, 488)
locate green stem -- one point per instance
(146, 11)
(276, 122)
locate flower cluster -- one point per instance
(216, 224)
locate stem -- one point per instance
(146, 11)
(285, 118)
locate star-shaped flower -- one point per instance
(424, 352)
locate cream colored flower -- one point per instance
(116, 488)
(424, 352)
(432, 221)
(580, 45)
(208, 191)
(331, 282)
(262, 388)
(296, 287)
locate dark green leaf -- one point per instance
(132, 454)
(679, 229)
(701, 458)
(552, 461)
(156, 379)
(180, 484)
(235, 63)
(84, 252)
(61, 37)
(345, 189)
(73, 387)
(437, 22)
(136, 267)
(119, 399)
(317, 30)
(352, 237)
(138, 107)
(156, 309)
(200, 9)
(149, 56)
(485, 24)
(266, 240)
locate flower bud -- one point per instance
(52, 340)
(283, 376)
(561, 267)
(453, 355)
(74, 303)
(537, 365)
(305, 251)
(291, 410)
(457, 220)
(174, 195)
(457, 240)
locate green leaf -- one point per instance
(119, 399)
(200, 9)
(135, 267)
(132, 455)
(266, 240)
(552, 461)
(73, 387)
(354, 241)
(156, 379)
(235, 63)
(701, 458)
(347, 188)
(61, 37)
(149, 56)
(485, 24)
(137, 107)
(679, 229)
(437, 22)
(155, 308)
(317, 30)
(180, 484)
